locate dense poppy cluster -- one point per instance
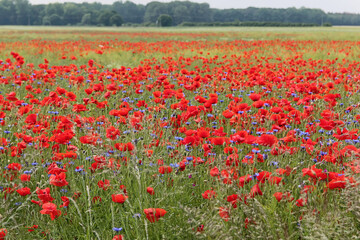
(231, 128)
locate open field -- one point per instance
(179, 133)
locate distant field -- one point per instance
(306, 33)
(179, 133)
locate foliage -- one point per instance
(165, 20)
(21, 12)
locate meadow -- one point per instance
(179, 133)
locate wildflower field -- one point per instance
(218, 133)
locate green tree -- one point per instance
(153, 10)
(181, 14)
(108, 18)
(54, 8)
(72, 13)
(36, 14)
(116, 20)
(55, 20)
(86, 19)
(46, 21)
(129, 11)
(22, 8)
(7, 12)
(165, 20)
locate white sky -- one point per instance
(351, 6)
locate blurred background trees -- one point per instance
(21, 12)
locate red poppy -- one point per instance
(104, 184)
(278, 196)
(255, 97)
(44, 195)
(154, 214)
(337, 183)
(224, 214)
(58, 180)
(218, 141)
(3, 233)
(50, 209)
(150, 190)
(25, 177)
(165, 169)
(31, 119)
(267, 140)
(228, 114)
(301, 202)
(11, 96)
(24, 191)
(233, 199)
(14, 167)
(66, 202)
(79, 108)
(214, 172)
(209, 194)
(118, 237)
(124, 146)
(203, 133)
(112, 133)
(255, 190)
(119, 198)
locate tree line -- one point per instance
(21, 12)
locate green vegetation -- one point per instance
(279, 63)
(165, 20)
(21, 12)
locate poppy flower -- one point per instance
(112, 133)
(219, 132)
(11, 96)
(79, 108)
(233, 199)
(165, 169)
(66, 202)
(118, 198)
(337, 183)
(25, 177)
(255, 190)
(154, 214)
(278, 196)
(150, 190)
(301, 202)
(218, 141)
(208, 194)
(124, 146)
(31, 119)
(224, 214)
(104, 184)
(50, 209)
(267, 140)
(255, 97)
(24, 191)
(258, 104)
(14, 167)
(200, 228)
(214, 172)
(44, 195)
(118, 237)
(58, 180)
(228, 114)
(203, 133)
(3, 233)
